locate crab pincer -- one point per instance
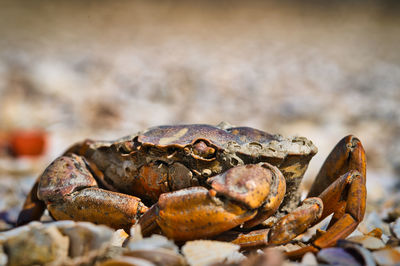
(233, 199)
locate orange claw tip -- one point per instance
(212, 193)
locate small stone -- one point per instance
(85, 236)
(153, 242)
(290, 247)
(269, 256)
(3, 257)
(336, 256)
(309, 259)
(119, 237)
(39, 245)
(136, 233)
(126, 261)
(206, 252)
(371, 222)
(17, 231)
(159, 256)
(387, 256)
(356, 233)
(395, 228)
(369, 242)
(357, 251)
(4, 226)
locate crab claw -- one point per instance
(234, 198)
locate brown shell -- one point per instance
(182, 135)
(248, 134)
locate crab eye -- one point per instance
(126, 148)
(201, 149)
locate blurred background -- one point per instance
(71, 70)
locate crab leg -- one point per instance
(296, 222)
(341, 186)
(33, 207)
(287, 227)
(70, 191)
(345, 198)
(347, 155)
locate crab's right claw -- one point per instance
(234, 198)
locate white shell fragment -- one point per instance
(118, 238)
(206, 252)
(395, 228)
(309, 259)
(127, 261)
(369, 242)
(3, 257)
(152, 243)
(387, 256)
(136, 233)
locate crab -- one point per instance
(199, 181)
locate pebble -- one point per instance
(206, 252)
(337, 256)
(159, 256)
(136, 233)
(368, 242)
(119, 237)
(309, 259)
(372, 221)
(153, 242)
(3, 257)
(387, 256)
(156, 249)
(39, 245)
(126, 261)
(395, 228)
(85, 236)
(269, 256)
(357, 251)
